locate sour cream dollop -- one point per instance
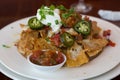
(54, 20)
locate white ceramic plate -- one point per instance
(106, 76)
(11, 74)
(15, 62)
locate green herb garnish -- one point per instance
(61, 7)
(46, 11)
(49, 24)
(47, 39)
(56, 22)
(65, 15)
(68, 14)
(52, 7)
(71, 10)
(42, 15)
(6, 46)
(42, 7)
(51, 13)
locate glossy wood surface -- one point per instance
(12, 10)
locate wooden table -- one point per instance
(12, 10)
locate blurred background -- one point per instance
(11, 10)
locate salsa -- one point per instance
(46, 57)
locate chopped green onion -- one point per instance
(61, 7)
(52, 7)
(49, 24)
(43, 16)
(71, 10)
(42, 7)
(51, 13)
(6, 46)
(65, 15)
(68, 14)
(56, 22)
(47, 39)
(46, 11)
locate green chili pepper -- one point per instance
(67, 39)
(34, 23)
(83, 27)
(61, 7)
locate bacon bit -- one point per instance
(86, 18)
(97, 36)
(107, 33)
(56, 39)
(111, 43)
(63, 30)
(79, 37)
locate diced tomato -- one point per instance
(107, 33)
(35, 56)
(56, 39)
(36, 53)
(111, 43)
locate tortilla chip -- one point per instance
(94, 53)
(78, 61)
